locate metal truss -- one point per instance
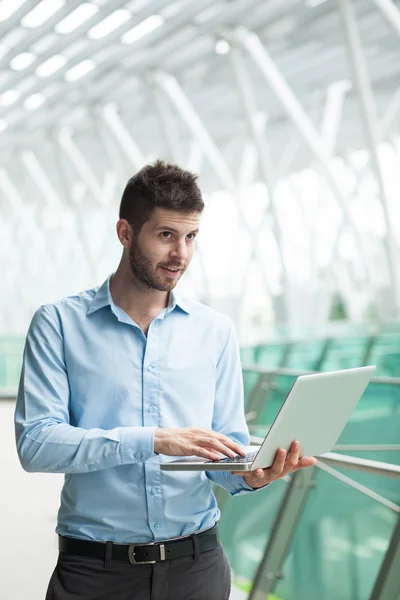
(387, 586)
(171, 95)
(368, 112)
(177, 97)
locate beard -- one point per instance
(143, 271)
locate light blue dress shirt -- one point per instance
(93, 388)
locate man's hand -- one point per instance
(195, 442)
(283, 465)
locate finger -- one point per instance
(237, 448)
(294, 450)
(306, 461)
(292, 459)
(203, 453)
(278, 464)
(217, 445)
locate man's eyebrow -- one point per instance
(167, 228)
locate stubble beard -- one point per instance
(143, 271)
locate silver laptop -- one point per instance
(315, 413)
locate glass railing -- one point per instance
(307, 354)
(326, 533)
(341, 530)
(11, 350)
(385, 354)
(312, 538)
(322, 354)
(246, 522)
(330, 353)
(291, 541)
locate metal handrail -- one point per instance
(350, 462)
(298, 372)
(8, 394)
(361, 464)
(11, 394)
(367, 447)
(338, 447)
(359, 487)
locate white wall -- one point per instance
(28, 509)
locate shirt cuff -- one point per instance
(248, 487)
(137, 444)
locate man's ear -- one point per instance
(124, 233)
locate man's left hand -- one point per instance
(283, 465)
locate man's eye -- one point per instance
(166, 234)
(191, 236)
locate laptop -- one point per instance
(315, 413)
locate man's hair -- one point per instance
(161, 185)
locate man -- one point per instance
(115, 379)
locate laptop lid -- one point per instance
(315, 413)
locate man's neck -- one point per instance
(134, 297)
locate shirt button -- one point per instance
(91, 467)
(157, 526)
(150, 368)
(150, 409)
(154, 491)
(137, 455)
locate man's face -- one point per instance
(163, 249)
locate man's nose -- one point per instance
(180, 250)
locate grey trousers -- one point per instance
(208, 577)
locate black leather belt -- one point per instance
(142, 553)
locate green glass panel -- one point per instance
(305, 355)
(247, 354)
(250, 379)
(376, 420)
(11, 351)
(3, 371)
(339, 545)
(379, 401)
(345, 353)
(272, 355)
(390, 327)
(385, 354)
(274, 398)
(245, 525)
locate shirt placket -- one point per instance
(151, 418)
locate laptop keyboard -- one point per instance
(238, 459)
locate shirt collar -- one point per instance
(103, 298)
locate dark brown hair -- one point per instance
(161, 185)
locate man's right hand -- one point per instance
(195, 442)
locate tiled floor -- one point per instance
(28, 509)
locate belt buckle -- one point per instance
(131, 554)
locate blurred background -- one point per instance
(289, 111)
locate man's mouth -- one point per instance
(172, 271)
